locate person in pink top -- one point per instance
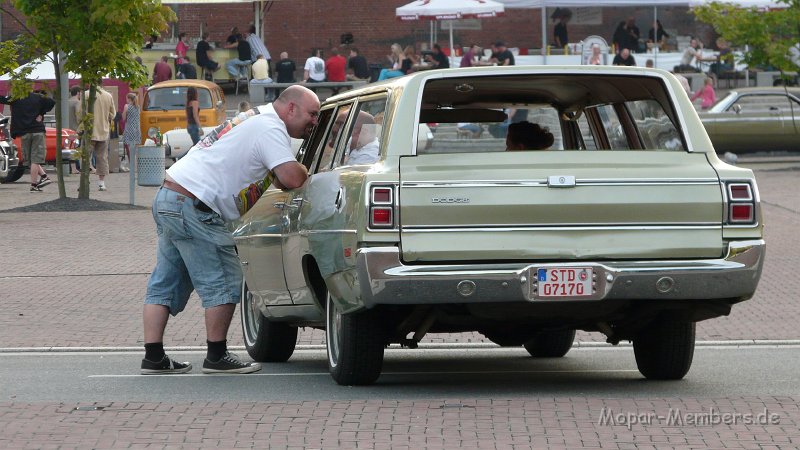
(706, 94)
(471, 55)
(181, 49)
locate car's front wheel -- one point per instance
(265, 340)
(550, 344)
(664, 349)
(13, 175)
(355, 344)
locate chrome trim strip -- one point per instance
(310, 232)
(556, 227)
(543, 182)
(255, 236)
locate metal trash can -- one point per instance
(150, 165)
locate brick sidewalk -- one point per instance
(555, 423)
(79, 280)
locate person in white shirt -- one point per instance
(314, 69)
(195, 248)
(363, 144)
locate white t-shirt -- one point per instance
(368, 154)
(316, 68)
(242, 156)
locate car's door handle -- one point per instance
(298, 201)
(339, 198)
(279, 205)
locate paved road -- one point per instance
(77, 279)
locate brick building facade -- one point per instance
(297, 26)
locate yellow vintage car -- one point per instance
(164, 106)
(614, 215)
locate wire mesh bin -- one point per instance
(150, 165)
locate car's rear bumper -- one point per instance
(382, 278)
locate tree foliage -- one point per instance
(99, 39)
(768, 35)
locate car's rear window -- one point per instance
(174, 98)
(576, 112)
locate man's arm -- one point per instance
(290, 175)
(46, 105)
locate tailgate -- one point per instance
(559, 205)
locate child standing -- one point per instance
(706, 93)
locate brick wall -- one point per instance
(296, 26)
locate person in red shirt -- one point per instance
(335, 66)
(162, 71)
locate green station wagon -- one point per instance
(627, 225)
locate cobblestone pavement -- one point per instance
(554, 423)
(77, 279)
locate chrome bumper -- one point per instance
(384, 279)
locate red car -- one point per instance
(70, 144)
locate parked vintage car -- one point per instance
(628, 225)
(164, 106)
(755, 120)
(70, 143)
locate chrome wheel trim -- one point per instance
(251, 316)
(333, 324)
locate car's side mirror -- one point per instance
(219, 104)
(737, 109)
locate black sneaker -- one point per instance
(44, 181)
(166, 365)
(230, 363)
(36, 188)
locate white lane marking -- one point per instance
(305, 374)
(757, 343)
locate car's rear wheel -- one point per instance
(551, 344)
(355, 344)
(13, 175)
(265, 340)
(664, 349)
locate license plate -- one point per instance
(563, 282)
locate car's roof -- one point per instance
(553, 70)
(769, 90)
(184, 83)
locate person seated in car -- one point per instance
(528, 136)
(363, 145)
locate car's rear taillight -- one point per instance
(3, 135)
(381, 207)
(741, 203)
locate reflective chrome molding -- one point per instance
(558, 227)
(384, 279)
(546, 182)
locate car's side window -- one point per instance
(763, 104)
(361, 142)
(655, 128)
(617, 139)
(311, 148)
(333, 137)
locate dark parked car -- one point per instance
(755, 120)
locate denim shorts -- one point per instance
(195, 252)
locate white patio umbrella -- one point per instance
(449, 10)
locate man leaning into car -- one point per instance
(195, 248)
